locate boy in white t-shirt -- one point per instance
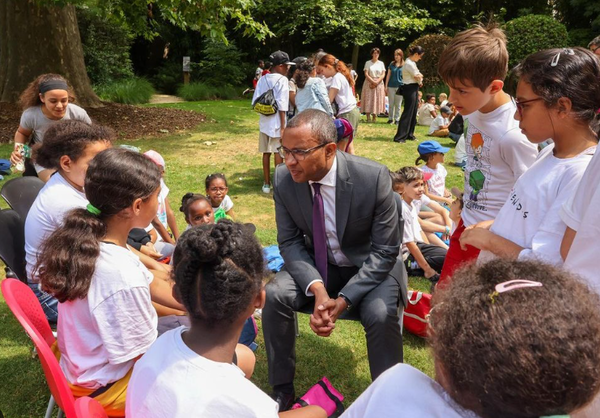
(428, 259)
(497, 151)
(439, 126)
(271, 127)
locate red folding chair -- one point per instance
(28, 311)
(87, 407)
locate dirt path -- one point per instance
(164, 98)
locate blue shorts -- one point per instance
(49, 303)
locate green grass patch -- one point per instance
(130, 91)
(228, 143)
(202, 91)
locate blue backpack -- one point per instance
(4, 166)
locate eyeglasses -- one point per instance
(298, 154)
(218, 189)
(520, 104)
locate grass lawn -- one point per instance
(227, 143)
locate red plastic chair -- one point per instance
(28, 311)
(87, 407)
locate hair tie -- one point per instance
(53, 85)
(512, 285)
(93, 210)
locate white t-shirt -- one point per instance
(374, 69)
(405, 392)
(437, 123)
(580, 213)
(344, 99)
(271, 125)
(56, 198)
(171, 380)
(437, 183)
(100, 336)
(161, 212)
(424, 114)
(412, 228)
(460, 153)
(226, 204)
(497, 154)
(530, 217)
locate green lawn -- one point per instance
(227, 143)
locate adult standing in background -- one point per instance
(373, 91)
(393, 80)
(412, 78)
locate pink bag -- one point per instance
(324, 395)
(416, 314)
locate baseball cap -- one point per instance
(156, 158)
(279, 58)
(445, 109)
(431, 146)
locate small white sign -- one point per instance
(186, 65)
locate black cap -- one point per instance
(279, 58)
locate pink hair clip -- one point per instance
(512, 285)
(598, 111)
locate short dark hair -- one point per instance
(218, 269)
(429, 96)
(415, 50)
(321, 125)
(374, 50)
(209, 179)
(477, 55)
(409, 174)
(522, 353)
(187, 200)
(69, 137)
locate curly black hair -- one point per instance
(523, 353)
(69, 137)
(209, 179)
(218, 270)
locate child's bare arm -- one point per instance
(436, 198)
(443, 212)
(171, 221)
(160, 228)
(418, 256)
(231, 213)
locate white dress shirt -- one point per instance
(328, 184)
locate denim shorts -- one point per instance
(49, 303)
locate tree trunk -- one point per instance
(355, 50)
(37, 39)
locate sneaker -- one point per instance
(390, 121)
(266, 188)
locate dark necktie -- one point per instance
(319, 237)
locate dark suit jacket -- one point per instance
(367, 222)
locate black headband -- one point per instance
(53, 85)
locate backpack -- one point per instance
(265, 104)
(4, 167)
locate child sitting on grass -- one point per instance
(510, 339)
(427, 112)
(197, 210)
(441, 123)
(429, 259)
(216, 191)
(432, 154)
(192, 372)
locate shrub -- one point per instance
(105, 47)
(433, 46)
(130, 91)
(222, 65)
(168, 78)
(532, 33)
(202, 91)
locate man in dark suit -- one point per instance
(338, 233)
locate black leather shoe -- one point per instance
(284, 400)
(399, 141)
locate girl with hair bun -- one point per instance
(505, 345)
(46, 99)
(189, 372)
(105, 293)
(69, 147)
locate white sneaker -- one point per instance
(266, 188)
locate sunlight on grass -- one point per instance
(227, 143)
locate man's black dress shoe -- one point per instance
(284, 400)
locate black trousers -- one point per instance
(408, 120)
(378, 311)
(433, 254)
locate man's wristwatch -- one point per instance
(347, 302)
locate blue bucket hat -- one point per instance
(428, 147)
